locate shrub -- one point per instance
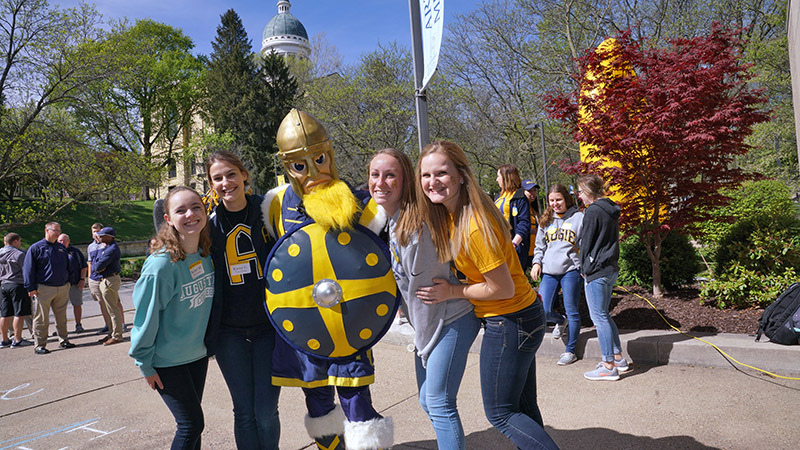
(764, 244)
(131, 268)
(680, 262)
(756, 261)
(739, 287)
(752, 198)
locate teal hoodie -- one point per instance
(173, 303)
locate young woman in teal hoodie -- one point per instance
(173, 299)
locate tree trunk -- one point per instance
(655, 260)
(652, 242)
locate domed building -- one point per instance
(284, 34)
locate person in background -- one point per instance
(444, 332)
(557, 262)
(599, 258)
(514, 206)
(467, 228)
(105, 270)
(46, 275)
(15, 304)
(240, 333)
(532, 194)
(173, 298)
(77, 279)
(94, 285)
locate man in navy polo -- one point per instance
(46, 275)
(105, 270)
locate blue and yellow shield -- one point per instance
(330, 294)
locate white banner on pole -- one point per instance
(432, 23)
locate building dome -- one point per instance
(284, 34)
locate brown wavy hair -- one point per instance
(168, 240)
(548, 214)
(408, 221)
(509, 175)
(473, 204)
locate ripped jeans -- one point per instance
(508, 376)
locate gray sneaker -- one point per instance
(559, 330)
(567, 358)
(602, 374)
(622, 365)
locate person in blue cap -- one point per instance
(105, 270)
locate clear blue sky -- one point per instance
(353, 26)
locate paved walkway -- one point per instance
(679, 396)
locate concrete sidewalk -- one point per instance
(93, 397)
(654, 347)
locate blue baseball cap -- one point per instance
(107, 231)
(529, 184)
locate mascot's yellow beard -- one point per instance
(332, 206)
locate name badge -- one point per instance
(240, 269)
(196, 269)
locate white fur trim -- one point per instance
(378, 222)
(265, 207)
(327, 425)
(370, 435)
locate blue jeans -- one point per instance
(183, 394)
(438, 383)
(245, 359)
(571, 288)
(508, 376)
(598, 297)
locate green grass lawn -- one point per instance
(132, 220)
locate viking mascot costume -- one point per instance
(330, 290)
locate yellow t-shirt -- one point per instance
(534, 230)
(477, 258)
(503, 203)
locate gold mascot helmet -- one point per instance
(306, 152)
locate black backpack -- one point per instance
(780, 322)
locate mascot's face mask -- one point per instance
(306, 152)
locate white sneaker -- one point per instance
(559, 330)
(567, 358)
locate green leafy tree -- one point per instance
(366, 107)
(280, 90)
(237, 98)
(48, 59)
(153, 92)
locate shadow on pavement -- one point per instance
(585, 438)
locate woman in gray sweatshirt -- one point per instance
(443, 332)
(556, 259)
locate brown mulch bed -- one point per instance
(683, 310)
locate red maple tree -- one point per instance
(666, 135)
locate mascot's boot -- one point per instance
(375, 434)
(328, 430)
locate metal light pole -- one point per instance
(544, 157)
(532, 129)
(421, 99)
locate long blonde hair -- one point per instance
(168, 240)
(408, 221)
(473, 204)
